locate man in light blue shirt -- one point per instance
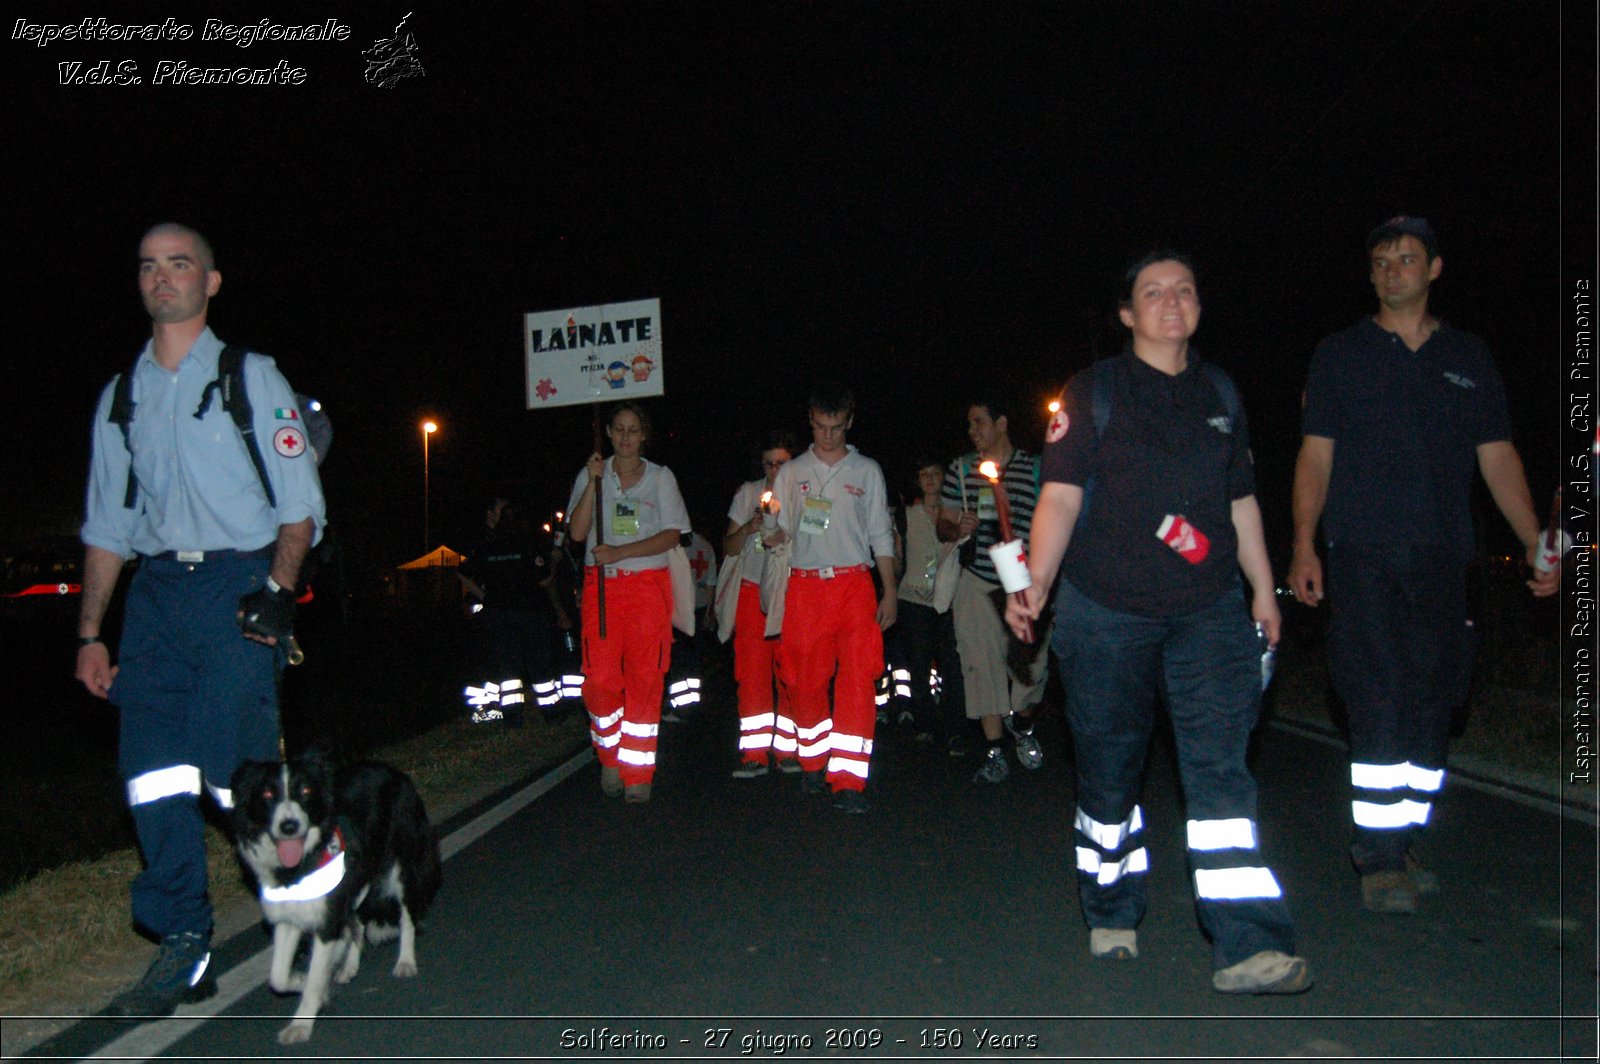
(211, 605)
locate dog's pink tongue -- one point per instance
(290, 851)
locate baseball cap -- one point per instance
(1405, 225)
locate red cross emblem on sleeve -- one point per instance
(289, 442)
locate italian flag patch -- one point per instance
(286, 413)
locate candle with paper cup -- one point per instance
(1009, 556)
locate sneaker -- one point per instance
(1426, 881)
(636, 793)
(749, 770)
(815, 782)
(486, 714)
(610, 780)
(669, 717)
(883, 716)
(1029, 753)
(850, 801)
(1268, 972)
(906, 718)
(958, 745)
(789, 766)
(1389, 892)
(179, 974)
(995, 768)
(923, 737)
(1113, 943)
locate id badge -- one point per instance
(815, 515)
(987, 510)
(625, 518)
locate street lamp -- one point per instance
(428, 429)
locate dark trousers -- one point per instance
(1115, 667)
(1398, 647)
(926, 637)
(196, 698)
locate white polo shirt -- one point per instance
(650, 506)
(835, 515)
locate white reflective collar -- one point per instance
(316, 884)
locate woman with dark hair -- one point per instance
(1148, 513)
(637, 505)
(765, 722)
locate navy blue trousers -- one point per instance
(1115, 668)
(1398, 650)
(196, 699)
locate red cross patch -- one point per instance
(1058, 427)
(289, 442)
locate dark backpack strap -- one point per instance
(230, 382)
(1225, 388)
(121, 415)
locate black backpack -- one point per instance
(230, 382)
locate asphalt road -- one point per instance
(732, 918)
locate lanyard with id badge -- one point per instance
(624, 518)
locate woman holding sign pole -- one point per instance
(1148, 512)
(643, 516)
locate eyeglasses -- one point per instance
(773, 463)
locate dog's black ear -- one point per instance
(321, 757)
(249, 776)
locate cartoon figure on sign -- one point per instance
(545, 389)
(616, 374)
(642, 365)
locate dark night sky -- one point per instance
(913, 197)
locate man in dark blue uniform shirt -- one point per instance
(1399, 410)
(211, 605)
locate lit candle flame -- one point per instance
(768, 503)
(989, 469)
(1055, 406)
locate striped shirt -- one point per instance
(967, 489)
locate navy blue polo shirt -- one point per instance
(1169, 447)
(1405, 427)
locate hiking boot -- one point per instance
(1267, 972)
(815, 782)
(180, 974)
(749, 770)
(789, 766)
(1426, 881)
(610, 780)
(850, 801)
(1389, 892)
(636, 793)
(1029, 754)
(1113, 943)
(995, 767)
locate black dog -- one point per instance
(344, 852)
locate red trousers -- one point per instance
(623, 674)
(766, 722)
(830, 632)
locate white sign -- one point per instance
(593, 354)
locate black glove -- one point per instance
(267, 613)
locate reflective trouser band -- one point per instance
(1109, 837)
(1403, 776)
(1235, 884)
(1108, 872)
(162, 783)
(1238, 833)
(1390, 815)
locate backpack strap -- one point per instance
(230, 382)
(1225, 388)
(121, 415)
